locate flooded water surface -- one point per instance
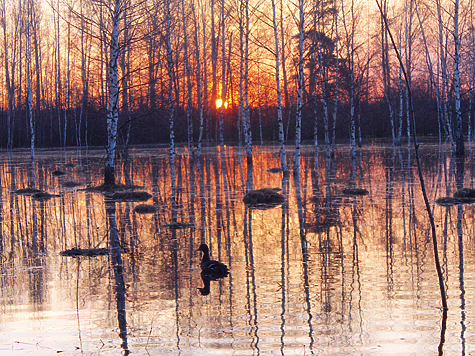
(322, 271)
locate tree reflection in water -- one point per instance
(118, 268)
(322, 270)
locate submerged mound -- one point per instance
(131, 196)
(71, 184)
(27, 191)
(145, 209)
(58, 173)
(89, 252)
(111, 188)
(264, 198)
(467, 193)
(451, 201)
(356, 192)
(461, 196)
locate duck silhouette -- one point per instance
(211, 269)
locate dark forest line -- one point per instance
(152, 127)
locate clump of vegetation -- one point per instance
(264, 198)
(131, 196)
(43, 196)
(178, 225)
(145, 209)
(468, 193)
(88, 252)
(27, 191)
(461, 196)
(355, 192)
(71, 184)
(58, 173)
(111, 188)
(275, 170)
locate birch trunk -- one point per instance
(337, 78)
(125, 69)
(170, 90)
(10, 93)
(113, 110)
(350, 48)
(283, 160)
(459, 145)
(445, 84)
(223, 77)
(247, 115)
(214, 58)
(284, 67)
(409, 17)
(198, 78)
(84, 79)
(189, 88)
(435, 83)
(59, 88)
(29, 108)
(298, 124)
(387, 72)
(206, 106)
(36, 45)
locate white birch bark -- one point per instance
(409, 17)
(84, 79)
(247, 115)
(283, 160)
(170, 90)
(28, 78)
(223, 76)
(206, 105)
(445, 83)
(198, 78)
(113, 109)
(298, 124)
(470, 81)
(350, 37)
(435, 82)
(59, 102)
(214, 59)
(459, 145)
(189, 87)
(284, 66)
(10, 93)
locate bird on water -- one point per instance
(210, 268)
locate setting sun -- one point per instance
(219, 103)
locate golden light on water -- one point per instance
(219, 103)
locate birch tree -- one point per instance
(459, 146)
(29, 108)
(170, 69)
(283, 160)
(350, 49)
(223, 76)
(113, 107)
(8, 79)
(247, 115)
(189, 88)
(298, 124)
(198, 77)
(385, 64)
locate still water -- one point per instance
(323, 273)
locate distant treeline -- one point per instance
(152, 127)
